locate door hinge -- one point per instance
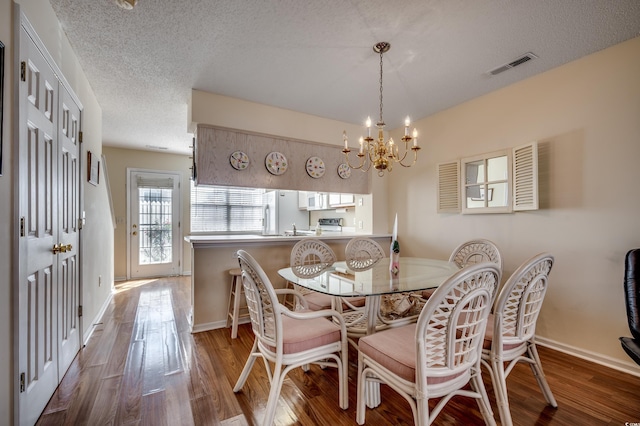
(22, 384)
(22, 226)
(79, 223)
(80, 310)
(23, 71)
(80, 136)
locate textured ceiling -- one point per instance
(316, 57)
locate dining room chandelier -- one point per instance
(378, 153)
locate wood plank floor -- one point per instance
(142, 366)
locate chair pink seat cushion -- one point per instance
(318, 301)
(301, 335)
(394, 349)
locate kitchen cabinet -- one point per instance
(303, 203)
(341, 200)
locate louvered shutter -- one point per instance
(449, 187)
(525, 177)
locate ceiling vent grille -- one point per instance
(519, 61)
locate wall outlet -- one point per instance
(360, 224)
(360, 201)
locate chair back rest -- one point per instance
(262, 302)
(476, 251)
(632, 290)
(450, 329)
(310, 257)
(520, 300)
(362, 253)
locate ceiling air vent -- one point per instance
(521, 60)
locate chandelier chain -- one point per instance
(381, 121)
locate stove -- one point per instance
(330, 224)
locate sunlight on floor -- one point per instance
(127, 285)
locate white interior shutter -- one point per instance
(525, 177)
(449, 187)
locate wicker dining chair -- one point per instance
(362, 253)
(476, 251)
(289, 339)
(510, 337)
(471, 252)
(309, 258)
(440, 354)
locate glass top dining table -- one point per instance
(415, 274)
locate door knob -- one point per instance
(134, 233)
(56, 249)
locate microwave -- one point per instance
(317, 201)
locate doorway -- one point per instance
(154, 244)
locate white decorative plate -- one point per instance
(315, 167)
(276, 163)
(344, 171)
(239, 160)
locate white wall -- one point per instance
(97, 235)
(586, 115)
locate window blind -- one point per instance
(223, 209)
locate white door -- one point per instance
(40, 264)
(68, 220)
(154, 223)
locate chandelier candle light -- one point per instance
(376, 152)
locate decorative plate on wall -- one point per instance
(239, 160)
(344, 171)
(276, 163)
(315, 167)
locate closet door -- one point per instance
(39, 237)
(48, 199)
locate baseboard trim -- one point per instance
(97, 319)
(215, 325)
(616, 364)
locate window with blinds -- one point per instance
(225, 209)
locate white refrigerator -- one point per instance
(280, 212)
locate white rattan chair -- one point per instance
(362, 253)
(510, 337)
(289, 339)
(476, 251)
(440, 354)
(471, 252)
(309, 258)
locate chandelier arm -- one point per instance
(415, 158)
(364, 159)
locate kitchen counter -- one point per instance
(219, 240)
(213, 255)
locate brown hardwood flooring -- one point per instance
(142, 366)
